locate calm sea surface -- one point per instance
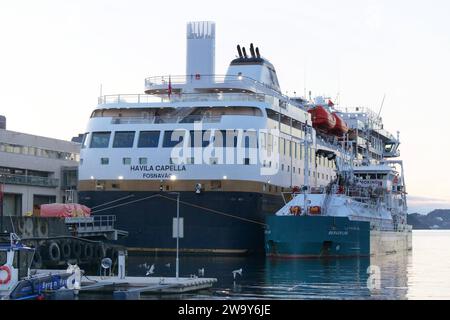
(423, 273)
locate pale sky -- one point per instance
(55, 54)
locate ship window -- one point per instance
(126, 161)
(83, 142)
(100, 139)
(143, 160)
(104, 161)
(226, 138)
(271, 114)
(246, 161)
(203, 138)
(148, 139)
(173, 138)
(250, 139)
(123, 139)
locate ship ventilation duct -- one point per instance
(245, 53)
(252, 50)
(201, 43)
(239, 51)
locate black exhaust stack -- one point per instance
(245, 52)
(239, 51)
(252, 51)
(257, 53)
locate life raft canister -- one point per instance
(295, 210)
(315, 210)
(8, 274)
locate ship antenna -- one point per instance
(239, 51)
(382, 104)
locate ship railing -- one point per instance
(318, 190)
(96, 223)
(240, 81)
(143, 99)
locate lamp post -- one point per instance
(177, 261)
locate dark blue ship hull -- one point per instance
(214, 222)
(316, 236)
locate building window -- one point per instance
(282, 167)
(246, 161)
(123, 139)
(104, 161)
(100, 139)
(142, 160)
(126, 161)
(148, 139)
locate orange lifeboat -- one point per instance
(322, 119)
(341, 127)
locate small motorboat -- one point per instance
(17, 281)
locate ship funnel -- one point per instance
(201, 42)
(239, 51)
(245, 52)
(257, 53)
(252, 50)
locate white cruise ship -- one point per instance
(227, 145)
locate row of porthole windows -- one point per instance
(144, 161)
(125, 161)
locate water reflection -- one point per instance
(420, 274)
(286, 279)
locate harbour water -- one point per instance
(423, 273)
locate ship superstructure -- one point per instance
(228, 144)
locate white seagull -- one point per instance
(151, 270)
(239, 272)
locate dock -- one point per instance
(132, 287)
